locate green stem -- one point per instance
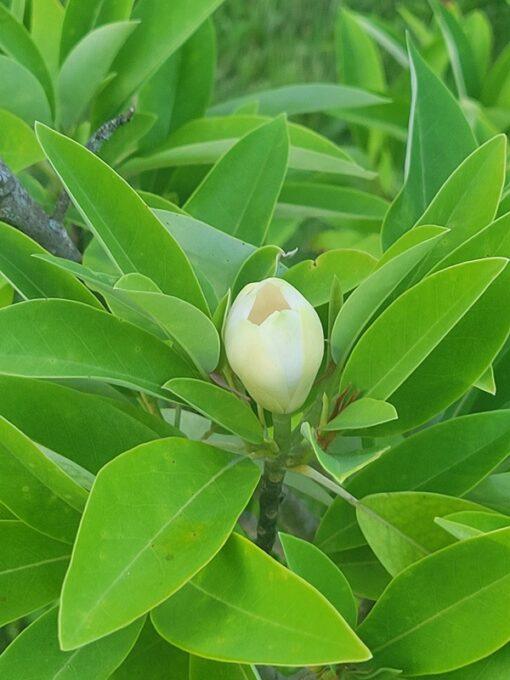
(177, 417)
(282, 431)
(269, 503)
(308, 471)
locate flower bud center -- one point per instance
(269, 299)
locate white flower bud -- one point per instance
(274, 343)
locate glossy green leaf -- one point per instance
(19, 147)
(358, 59)
(86, 66)
(328, 201)
(36, 407)
(469, 523)
(307, 561)
(189, 502)
(204, 141)
(37, 648)
(297, 99)
(493, 492)
(152, 657)
(15, 81)
(400, 527)
(467, 201)
(164, 27)
(368, 298)
(16, 41)
(76, 341)
(241, 599)
(426, 313)
(452, 601)
(32, 568)
(239, 194)
(433, 151)
(126, 228)
(181, 322)
(46, 21)
(35, 489)
(362, 413)
(496, 667)
(220, 405)
(33, 277)
(448, 458)
(313, 278)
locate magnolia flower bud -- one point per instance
(274, 343)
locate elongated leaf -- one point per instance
(358, 59)
(466, 601)
(297, 99)
(15, 81)
(46, 21)
(310, 563)
(448, 458)
(239, 194)
(363, 413)
(433, 151)
(130, 233)
(37, 648)
(370, 295)
(18, 144)
(164, 27)
(221, 406)
(469, 523)
(33, 277)
(467, 201)
(240, 596)
(496, 667)
(427, 312)
(151, 657)
(314, 278)
(32, 568)
(204, 141)
(35, 489)
(400, 527)
(493, 492)
(16, 41)
(36, 408)
(191, 497)
(75, 341)
(85, 68)
(182, 322)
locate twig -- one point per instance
(269, 503)
(18, 209)
(100, 136)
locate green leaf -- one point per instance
(126, 228)
(33, 277)
(469, 523)
(467, 201)
(400, 527)
(452, 601)
(307, 561)
(448, 458)
(239, 193)
(330, 202)
(298, 99)
(362, 413)
(173, 534)
(15, 82)
(462, 55)
(32, 568)
(262, 264)
(180, 321)
(126, 141)
(433, 151)
(314, 278)
(18, 144)
(164, 27)
(76, 341)
(495, 667)
(368, 298)
(86, 66)
(46, 21)
(358, 59)
(16, 41)
(221, 406)
(36, 408)
(152, 657)
(35, 489)
(487, 382)
(37, 648)
(241, 599)
(204, 141)
(199, 669)
(366, 575)
(427, 312)
(493, 492)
